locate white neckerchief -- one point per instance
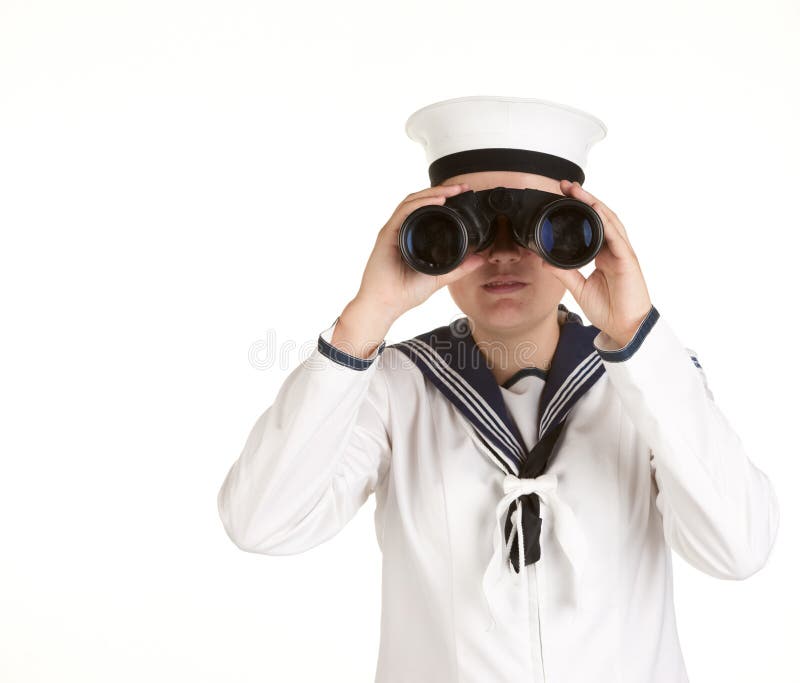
(566, 531)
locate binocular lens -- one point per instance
(564, 231)
(568, 237)
(433, 243)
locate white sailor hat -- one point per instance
(481, 133)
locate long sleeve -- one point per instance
(719, 511)
(313, 457)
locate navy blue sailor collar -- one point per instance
(450, 359)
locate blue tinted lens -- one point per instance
(566, 235)
(547, 236)
(435, 241)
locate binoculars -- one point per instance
(566, 232)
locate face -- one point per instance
(536, 294)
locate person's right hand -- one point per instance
(389, 285)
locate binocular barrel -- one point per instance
(566, 232)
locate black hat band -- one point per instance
(503, 159)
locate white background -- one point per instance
(182, 183)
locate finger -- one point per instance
(577, 191)
(436, 190)
(617, 244)
(405, 209)
(570, 278)
(391, 230)
(470, 263)
(615, 221)
(611, 223)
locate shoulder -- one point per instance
(410, 363)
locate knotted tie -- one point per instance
(533, 466)
(523, 524)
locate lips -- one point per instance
(503, 281)
(502, 285)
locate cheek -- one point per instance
(458, 291)
(464, 293)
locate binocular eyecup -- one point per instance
(566, 232)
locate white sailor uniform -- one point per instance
(634, 458)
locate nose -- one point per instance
(504, 248)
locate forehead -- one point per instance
(484, 180)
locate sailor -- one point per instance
(526, 503)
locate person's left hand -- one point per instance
(614, 297)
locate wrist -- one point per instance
(624, 337)
(360, 330)
(376, 313)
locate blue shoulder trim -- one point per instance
(451, 360)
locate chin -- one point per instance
(502, 315)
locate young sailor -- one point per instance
(526, 503)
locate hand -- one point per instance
(614, 297)
(389, 286)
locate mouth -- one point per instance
(503, 285)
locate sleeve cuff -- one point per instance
(342, 358)
(605, 346)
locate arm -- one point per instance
(719, 511)
(314, 456)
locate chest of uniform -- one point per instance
(444, 482)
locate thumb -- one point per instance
(571, 278)
(470, 263)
